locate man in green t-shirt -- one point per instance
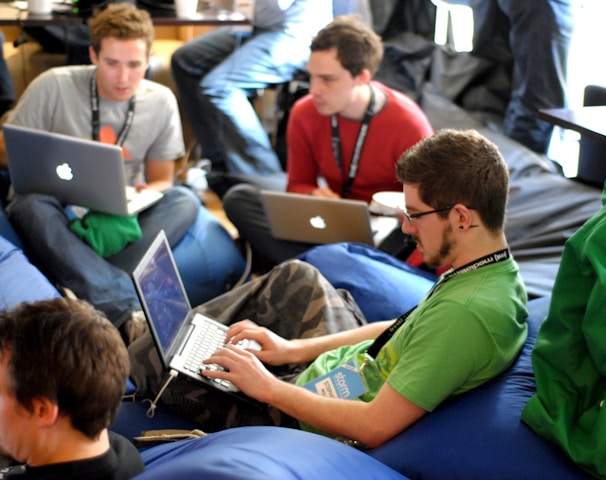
(467, 329)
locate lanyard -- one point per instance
(386, 335)
(96, 120)
(336, 143)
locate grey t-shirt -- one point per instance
(58, 101)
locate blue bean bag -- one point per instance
(20, 280)
(208, 260)
(262, 453)
(383, 286)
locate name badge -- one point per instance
(342, 382)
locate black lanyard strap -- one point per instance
(336, 143)
(389, 332)
(96, 120)
(386, 334)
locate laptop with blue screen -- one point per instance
(183, 337)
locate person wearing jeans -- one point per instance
(534, 38)
(215, 74)
(111, 102)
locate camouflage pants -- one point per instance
(294, 300)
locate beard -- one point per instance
(439, 259)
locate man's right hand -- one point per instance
(275, 350)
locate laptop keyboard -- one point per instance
(210, 339)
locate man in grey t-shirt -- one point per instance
(111, 102)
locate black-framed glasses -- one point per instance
(410, 217)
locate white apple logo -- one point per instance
(64, 172)
(317, 222)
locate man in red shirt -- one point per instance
(348, 131)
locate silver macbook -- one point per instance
(317, 220)
(74, 170)
(183, 338)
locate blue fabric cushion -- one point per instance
(208, 260)
(20, 280)
(479, 435)
(383, 286)
(262, 453)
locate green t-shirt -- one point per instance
(466, 332)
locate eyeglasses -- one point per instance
(412, 216)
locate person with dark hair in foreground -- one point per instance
(63, 368)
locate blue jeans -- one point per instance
(215, 75)
(43, 225)
(534, 36)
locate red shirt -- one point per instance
(392, 131)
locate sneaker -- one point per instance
(196, 177)
(134, 327)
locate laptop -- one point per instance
(183, 337)
(317, 220)
(74, 170)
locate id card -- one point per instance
(342, 382)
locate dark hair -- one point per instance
(459, 167)
(358, 46)
(123, 21)
(68, 352)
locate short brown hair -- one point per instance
(358, 46)
(68, 352)
(457, 166)
(123, 21)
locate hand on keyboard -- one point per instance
(247, 344)
(224, 384)
(132, 193)
(242, 367)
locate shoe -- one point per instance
(134, 327)
(196, 180)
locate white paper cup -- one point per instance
(387, 203)
(40, 7)
(186, 8)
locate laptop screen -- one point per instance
(161, 292)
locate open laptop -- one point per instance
(74, 170)
(183, 338)
(317, 220)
